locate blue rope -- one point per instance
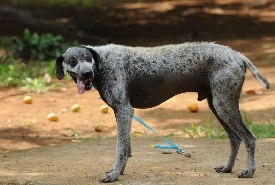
(171, 145)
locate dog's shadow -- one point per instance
(167, 118)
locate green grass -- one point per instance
(29, 58)
(72, 133)
(11, 72)
(266, 129)
(38, 85)
(205, 130)
(29, 76)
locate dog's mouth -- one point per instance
(82, 85)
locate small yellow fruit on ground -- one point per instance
(76, 108)
(193, 107)
(52, 117)
(99, 128)
(27, 99)
(104, 108)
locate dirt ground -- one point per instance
(34, 150)
(86, 162)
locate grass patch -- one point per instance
(267, 59)
(266, 129)
(11, 72)
(32, 76)
(38, 85)
(27, 60)
(205, 130)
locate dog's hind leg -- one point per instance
(235, 141)
(226, 104)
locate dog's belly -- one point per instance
(150, 93)
(148, 101)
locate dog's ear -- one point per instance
(96, 56)
(59, 68)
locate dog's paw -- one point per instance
(110, 176)
(223, 169)
(246, 173)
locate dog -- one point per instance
(144, 77)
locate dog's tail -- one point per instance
(256, 73)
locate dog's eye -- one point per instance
(73, 62)
(88, 58)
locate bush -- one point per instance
(11, 72)
(32, 46)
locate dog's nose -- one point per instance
(87, 75)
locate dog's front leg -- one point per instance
(123, 150)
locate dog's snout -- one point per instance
(87, 75)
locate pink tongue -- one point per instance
(80, 86)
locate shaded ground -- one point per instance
(85, 163)
(247, 26)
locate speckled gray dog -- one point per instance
(144, 77)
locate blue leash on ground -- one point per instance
(171, 145)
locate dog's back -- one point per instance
(150, 74)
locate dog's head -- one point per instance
(81, 62)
